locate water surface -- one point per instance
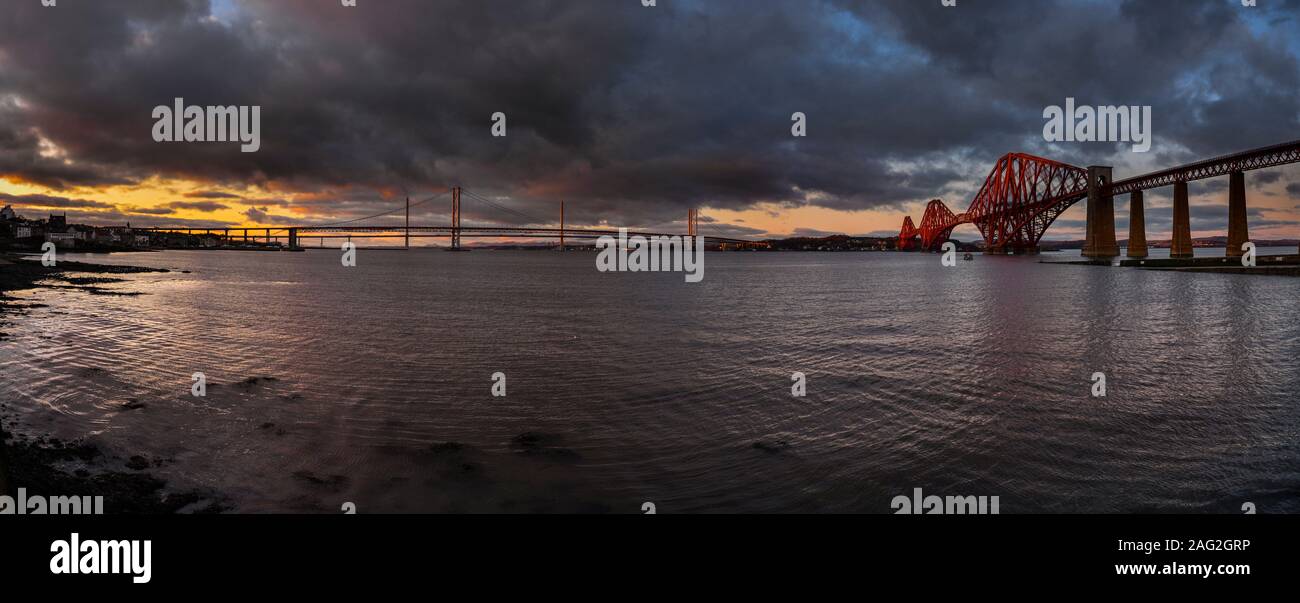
(974, 380)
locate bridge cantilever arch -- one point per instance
(1024, 195)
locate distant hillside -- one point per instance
(847, 243)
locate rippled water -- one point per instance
(971, 381)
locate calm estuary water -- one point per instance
(330, 385)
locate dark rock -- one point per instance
(131, 404)
(558, 454)
(253, 381)
(542, 446)
(531, 439)
(772, 447)
(333, 482)
(447, 447)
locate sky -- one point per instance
(631, 115)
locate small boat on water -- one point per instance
(968, 257)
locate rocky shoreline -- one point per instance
(50, 467)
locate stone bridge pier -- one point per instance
(1100, 244)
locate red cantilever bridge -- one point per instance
(1024, 195)
(454, 232)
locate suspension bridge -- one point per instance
(527, 226)
(1023, 195)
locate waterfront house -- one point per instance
(61, 239)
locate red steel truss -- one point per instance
(1024, 195)
(1265, 157)
(937, 224)
(1020, 199)
(907, 238)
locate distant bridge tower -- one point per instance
(455, 218)
(692, 222)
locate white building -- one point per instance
(62, 239)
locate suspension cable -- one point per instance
(416, 204)
(531, 218)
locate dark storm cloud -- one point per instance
(205, 206)
(1264, 177)
(118, 217)
(211, 195)
(631, 114)
(98, 212)
(262, 215)
(1205, 187)
(51, 201)
(150, 211)
(271, 202)
(22, 156)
